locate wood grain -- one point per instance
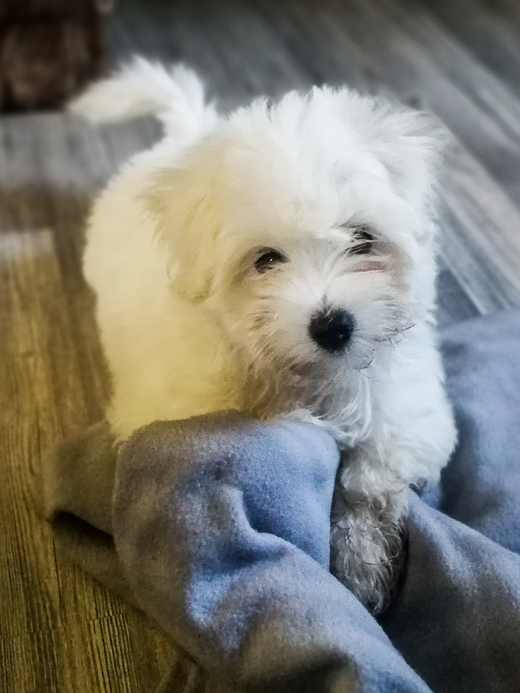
(59, 630)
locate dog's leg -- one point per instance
(367, 548)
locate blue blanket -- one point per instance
(220, 530)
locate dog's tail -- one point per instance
(174, 95)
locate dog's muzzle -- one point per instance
(332, 329)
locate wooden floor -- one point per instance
(59, 630)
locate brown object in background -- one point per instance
(49, 50)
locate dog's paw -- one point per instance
(368, 551)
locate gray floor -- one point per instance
(60, 631)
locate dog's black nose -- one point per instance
(332, 330)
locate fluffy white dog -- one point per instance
(279, 260)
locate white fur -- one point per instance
(189, 326)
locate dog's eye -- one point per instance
(268, 259)
(363, 241)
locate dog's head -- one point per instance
(304, 230)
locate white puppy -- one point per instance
(280, 261)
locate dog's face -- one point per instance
(303, 231)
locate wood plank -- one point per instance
(487, 30)
(480, 233)
(57, 615)
(232, 46)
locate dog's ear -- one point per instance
(409, 144)
(185, 228)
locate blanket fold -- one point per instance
(217, 527)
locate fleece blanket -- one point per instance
(217, 527)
